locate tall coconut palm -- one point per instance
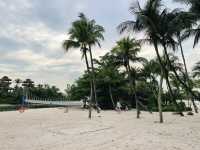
(79, 36)
(95, 36)
(147, 20)
(182, 22)
(126, 51)
(166, 39)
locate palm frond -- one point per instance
(67, 44)
(126, 26)
(197, 36)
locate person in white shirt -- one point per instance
(118, 106)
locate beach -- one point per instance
(53, 129)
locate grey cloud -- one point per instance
(32, 31)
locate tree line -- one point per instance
(116, 75)
(11, 91)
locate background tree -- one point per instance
(5, 83)
(126, 52)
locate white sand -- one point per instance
(52, 129)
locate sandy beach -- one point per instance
(52, 129)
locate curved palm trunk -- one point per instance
(178, 78)
(185, 67)
(91, 95)
(163, 69)
(183, 57)
(111, 95)
(93, 78)
(160, 99)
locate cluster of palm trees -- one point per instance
(165, 30)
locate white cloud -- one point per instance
(32, 32)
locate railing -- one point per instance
(50, 102)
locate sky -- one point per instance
(32, 33)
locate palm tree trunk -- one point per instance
(111, 96)
(132, 83)
(93, 77)
(163, 69)
(91, 96)
(186, 72)
(90, 104)
(178, 78)
(160, 100)
(137, 104)
(183, 57)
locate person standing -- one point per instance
(118, 107)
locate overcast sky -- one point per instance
(32, 32)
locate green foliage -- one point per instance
(13, 95)
(109, 74)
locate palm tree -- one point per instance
(5, 83)
(152, 68)
(153, 71)
(148, 20)
(28, 83)
(195, 10)
(182, 22)
(79, 39)
(95, 36)
(166, 39)
(126, 51)
(109, 74)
